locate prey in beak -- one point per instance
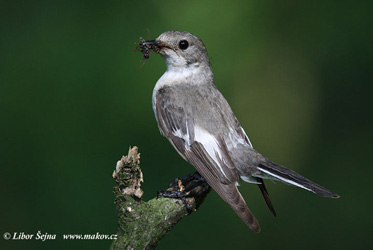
(146, 47)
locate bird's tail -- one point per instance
(232, 196)
(271, 170)
(265, 194)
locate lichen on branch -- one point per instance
(141, 225)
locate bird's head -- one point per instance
(180, 49)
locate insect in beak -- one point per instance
(146, 47)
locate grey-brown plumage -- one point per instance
(195, 117)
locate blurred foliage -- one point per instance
(73, 99)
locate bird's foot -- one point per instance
(176, 194)
(181, 188)
(189, 178)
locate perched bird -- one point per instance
(197, 120)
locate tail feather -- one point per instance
(290, 177)
(265, 194)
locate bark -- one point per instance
(142, 224)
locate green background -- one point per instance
(73, 99)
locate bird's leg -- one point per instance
(188, 178)
(194, 180)
(189, 182)
(183, 187)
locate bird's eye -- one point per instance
(183, 44)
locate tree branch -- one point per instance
(141, 225)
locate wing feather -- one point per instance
(182, 132)
(228, 192)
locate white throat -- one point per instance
(180, 75)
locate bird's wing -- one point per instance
(206, 152)
(191, 138)
(228, 192)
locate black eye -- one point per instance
(183, 44)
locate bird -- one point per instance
(200, 124)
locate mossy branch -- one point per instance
(141, 225)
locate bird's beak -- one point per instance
(146, 47)
(151, 42)
(156, 45)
